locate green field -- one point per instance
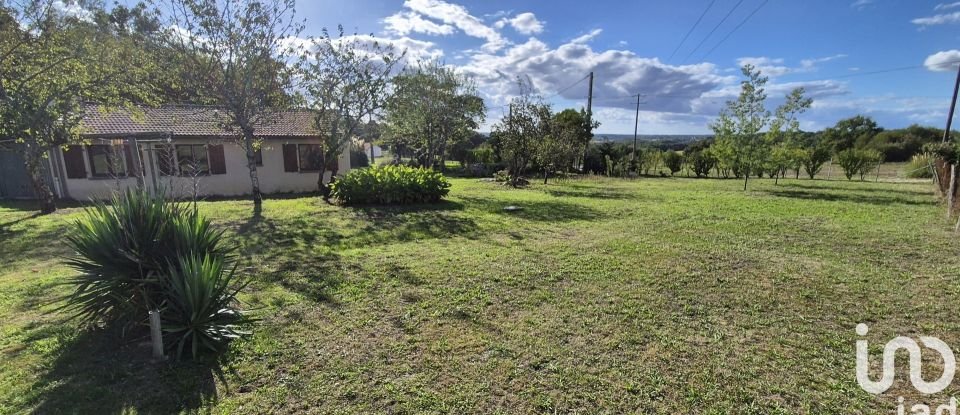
(665, 295)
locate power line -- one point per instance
(567, 88)
(735, 28)
(735, 6)
(691, 29)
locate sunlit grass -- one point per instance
(651, 295)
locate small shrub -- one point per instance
(857, 162)
(388, 185)
(702, 162)
(813, 160)
(920, 166)
(673, 160)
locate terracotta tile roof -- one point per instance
(189, 121)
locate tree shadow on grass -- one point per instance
(863, 189)
(301, 253)
(537, 210)
(100, 373)
(591, 192)
(389, 224)
(851, 197)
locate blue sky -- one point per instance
(829, 47)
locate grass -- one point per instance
(664, 295)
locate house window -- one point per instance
(258, 156)
(310, 157)
(106, 161)
(192, 159)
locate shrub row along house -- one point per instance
(182, 149)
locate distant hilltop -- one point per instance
(685, 138)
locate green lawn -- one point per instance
(610, 296)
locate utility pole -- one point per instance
(953, 106)
(636, 123)
(590, 100)
(589, 120)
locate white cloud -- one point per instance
(72, 9)
(861, 4)
(458, 16)
(947, 18)
(404, 23)
(811, 64)
(526, 23)
(587, 37)
(943, 61)
(618, 74)
(947, 6)
(415, 50)
(772, 67)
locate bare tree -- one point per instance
(242, 56)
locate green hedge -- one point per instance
(390, 185)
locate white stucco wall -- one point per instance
(236, 181)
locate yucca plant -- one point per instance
(128, 254)
(119, 250)
(200, 311)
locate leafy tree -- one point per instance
(347, 80)
(847, 132)
(785, 131)
(51, 64)
(237, 54)
(739, 124)
(578, 125)
(519, 133)
(814, 158)
(673, 160)
(857, 161)
(701, 161)
(432, 107)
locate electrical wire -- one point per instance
(735, 29)
(713, 30)
(691, 29)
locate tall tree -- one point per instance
(53, 61)
(432, 106)
(347, 80)
(239, 55)
(739, 124)
(577, 123)
(784, 132)
(522, 130)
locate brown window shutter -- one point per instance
(128, 154)
(217, 163)
(73, 161)
(290, 158)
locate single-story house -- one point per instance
(185, 151)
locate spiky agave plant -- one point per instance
(120, 248)
(140, 253)
(200, 312)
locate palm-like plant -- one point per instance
(119, 250)
(199, 311)
(141, 253)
